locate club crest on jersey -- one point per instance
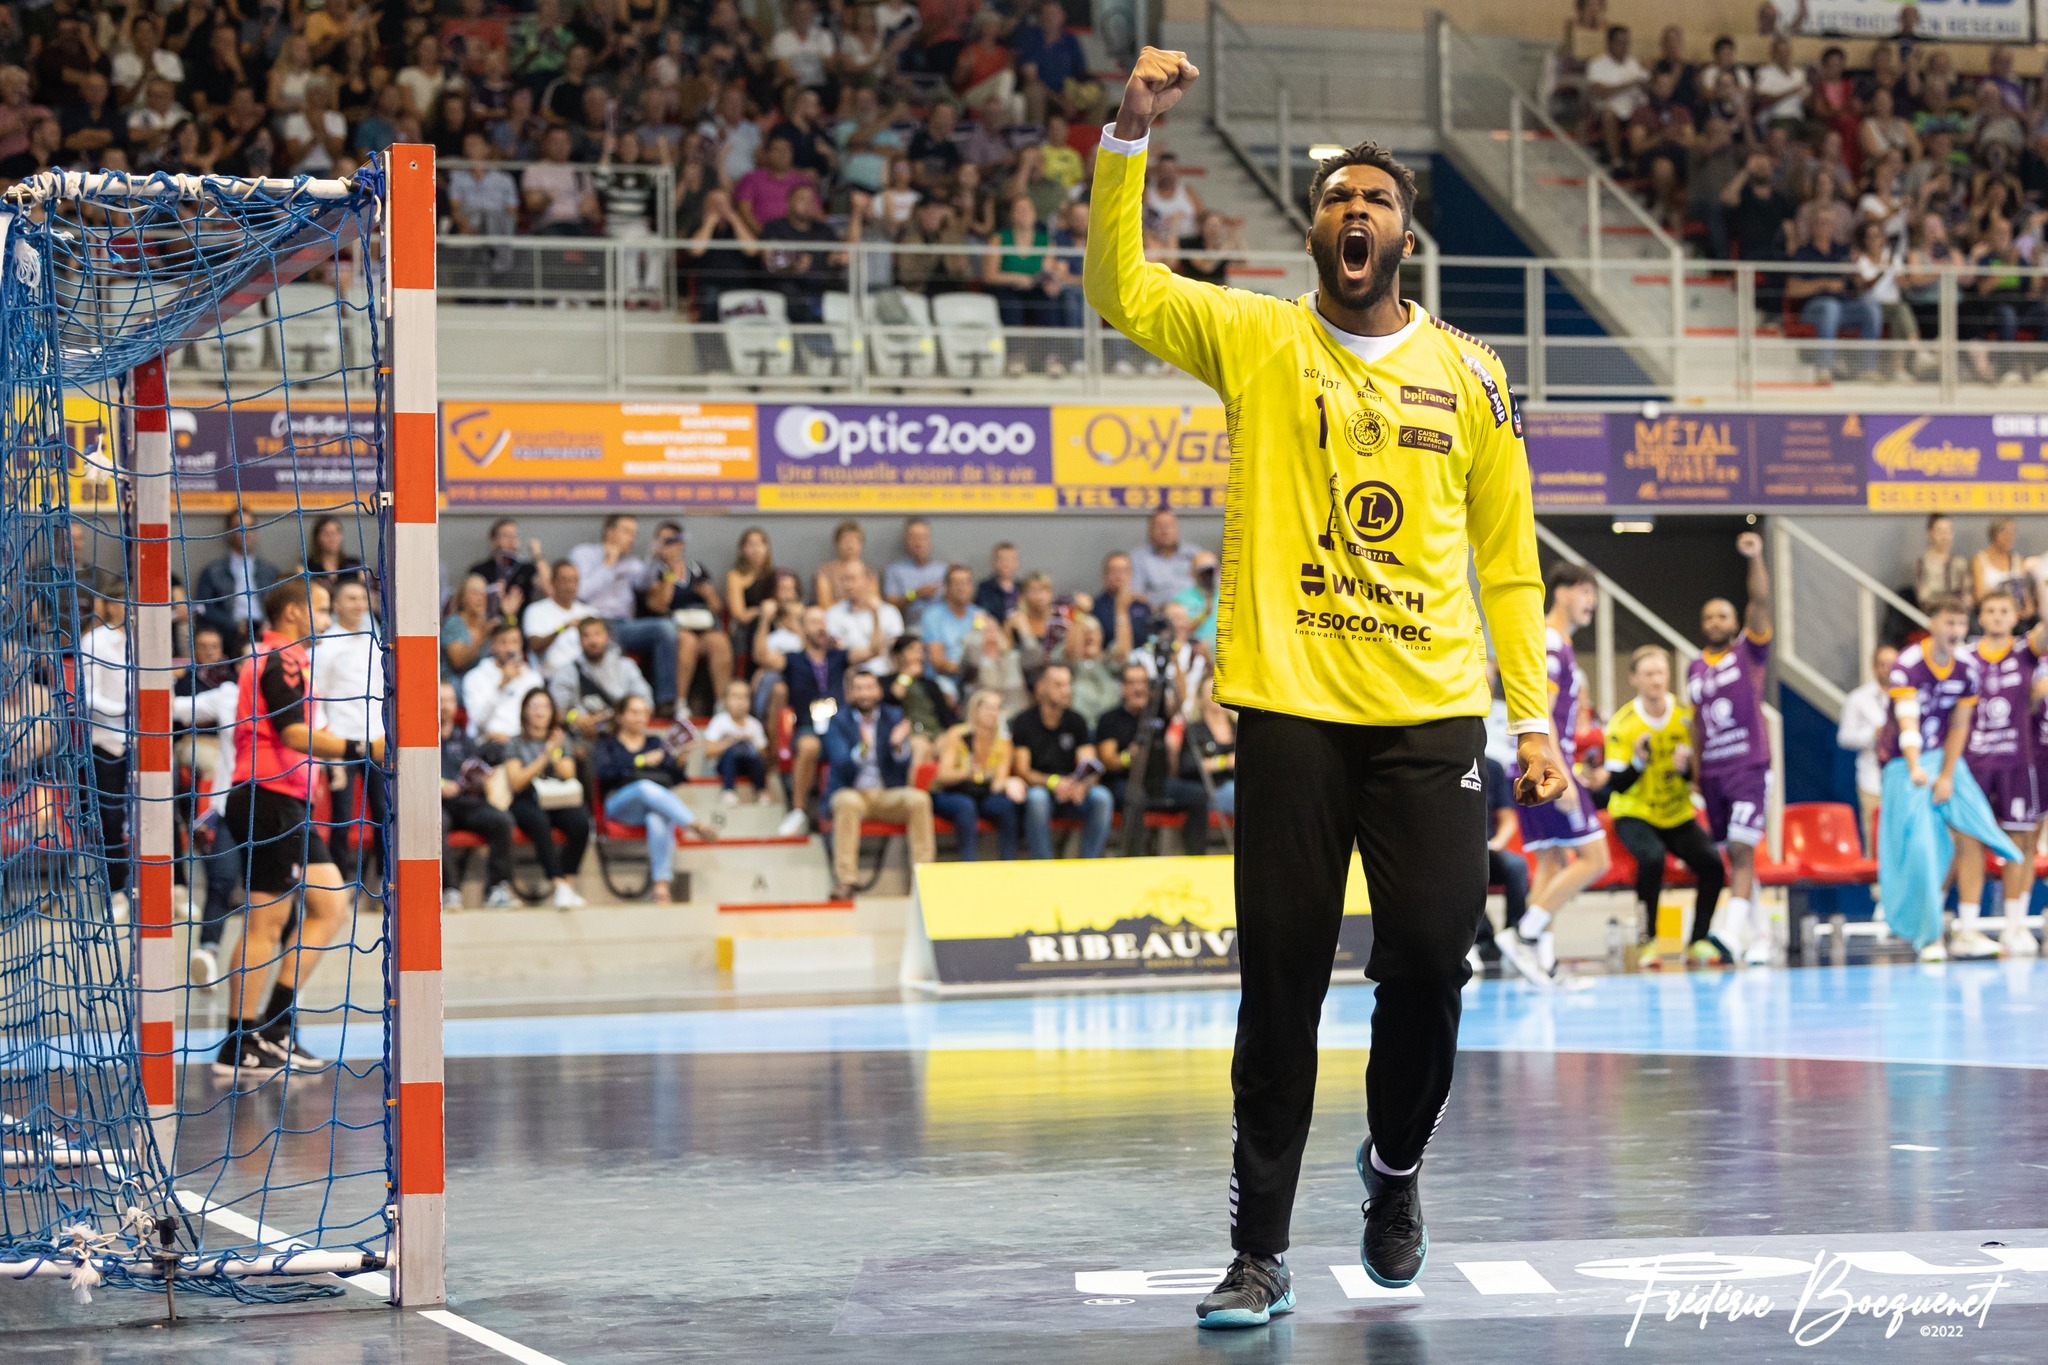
(1370, 512)
(1367, 432)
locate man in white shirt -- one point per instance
(1863, 715)
(316, 133)
(612, 577)
(348, 678)
(1618, 85)
(1780, 87)
(493, 690)
(805, 46)
(144, 56)
(103, 655)
(861, 623)
(547, 622)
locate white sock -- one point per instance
(1968, 910)
(2015, 914)
(1384, 1169)
(1533, 922)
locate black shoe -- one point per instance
(281, 1042)
(1396, 1244)
(246, 1059)
(1253, 1291)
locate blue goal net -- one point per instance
(195, 1049)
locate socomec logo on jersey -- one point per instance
(1359, 625)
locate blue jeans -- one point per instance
(1094, 808)
(742, 760)
(1224, 798)
(656, 634)
(661, 811)
(1826, 313)
(960, 810)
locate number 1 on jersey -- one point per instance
(1322, 424)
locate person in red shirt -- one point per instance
(278, 748)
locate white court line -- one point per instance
(1505, 1277)
(1912, 1147)
(1356, 1284)
(503, 1345)
(370, 1281)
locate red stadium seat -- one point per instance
(1824, 840)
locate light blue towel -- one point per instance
(1914, 846)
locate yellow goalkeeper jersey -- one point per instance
(1355, 490)
(1660, 795)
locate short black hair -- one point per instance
(1565, 574)
(1367, 153)
(1613, 29)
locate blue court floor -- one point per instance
(1788, 1164)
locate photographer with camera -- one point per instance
(1132, 742)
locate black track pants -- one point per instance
(1647, 844)
(1412, 800)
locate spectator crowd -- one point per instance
(951, 123)
(1877, 162)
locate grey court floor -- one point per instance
(1792, 1166)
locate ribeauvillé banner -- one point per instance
(1033, 925)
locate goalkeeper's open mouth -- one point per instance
(1354, 253)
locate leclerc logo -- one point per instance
(1374, 509)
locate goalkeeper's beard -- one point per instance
(1380, 281)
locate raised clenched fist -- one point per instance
(1158, 79)
(1749, 545)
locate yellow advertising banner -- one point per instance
(612, 455)
(1024, 923)
(1140, 457)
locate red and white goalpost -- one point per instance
(145, 275)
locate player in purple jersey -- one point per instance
(1565, 835)
(1726, 688)
(2001, 752)
(1932, 691)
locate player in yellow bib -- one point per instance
(1649, 785)
(1376, 453)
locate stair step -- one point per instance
(752, 907)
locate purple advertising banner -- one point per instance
(1695, 459)
(1980, 462)
(836, 457)
(311, 455)
(1568, 457)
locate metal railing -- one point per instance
(1557, 195)
(1739, 343)
(1255, 110)
(1606, 692)
(1807, 567)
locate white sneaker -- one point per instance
(499, 898)
(1758, 954)
(1934, 952)
(728, 797)
(451, 899)
(203, 969)
(1971, 943)
(793, 824)
(566, 897)
(1521, 954)
(2019, 941)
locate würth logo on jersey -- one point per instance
(1312, 579)
(1370, 512)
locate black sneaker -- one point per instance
(1396, 1244)
(282, 1045)
(247, 1059)
(1253, 1291)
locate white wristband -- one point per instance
(1122, 147)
